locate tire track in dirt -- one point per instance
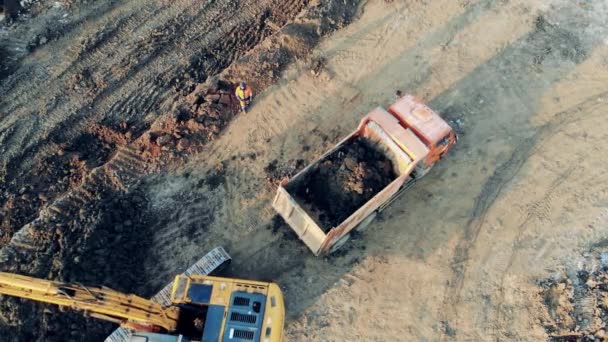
(540, 208)
(220, 31)
(53, 21)
(56, 114)
(98, 63)
(51, 243)
(202, 39)
(144, 91)
(110, 64)
(491, 190)
(38, 69)
(538, 47)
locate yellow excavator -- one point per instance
(195, 307)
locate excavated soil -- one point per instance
(344, 181)
(128, 89)
(112, 74)
(280, 173)
(96, 97)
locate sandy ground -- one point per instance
(463, 255)
(460, 256)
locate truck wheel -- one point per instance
(421, 171)
(336, 246)
(363, 225)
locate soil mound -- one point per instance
(344, 181)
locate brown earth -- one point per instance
(464, 255)
(576, 299)
(343, 182)
(135, 114)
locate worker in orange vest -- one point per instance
(244, 94)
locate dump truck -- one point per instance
(197, 306)
(344, 189)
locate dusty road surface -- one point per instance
(504, 240)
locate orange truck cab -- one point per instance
(409, 134)
(429, 127)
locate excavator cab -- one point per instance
(222, 309)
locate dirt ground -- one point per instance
(498, 242)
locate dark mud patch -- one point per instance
(560, 43)
(343, 182)
(23, 196)
(108, 252)
(111, 245)
(214, 178)
(91, 149)
(10, 8)
(100, 246)
(5, 63)
(66, 164)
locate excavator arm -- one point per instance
(128, 310)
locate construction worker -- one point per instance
(244, 94)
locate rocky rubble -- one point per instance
(577, 301)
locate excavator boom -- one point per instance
(100, 302)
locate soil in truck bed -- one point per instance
(343, 182)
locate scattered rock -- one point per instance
(193, 99)
(212, 97)
(276, 174)
(576, 301)
(317, 66)
(164, 139)
(183, 145)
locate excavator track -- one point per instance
(212, 262)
